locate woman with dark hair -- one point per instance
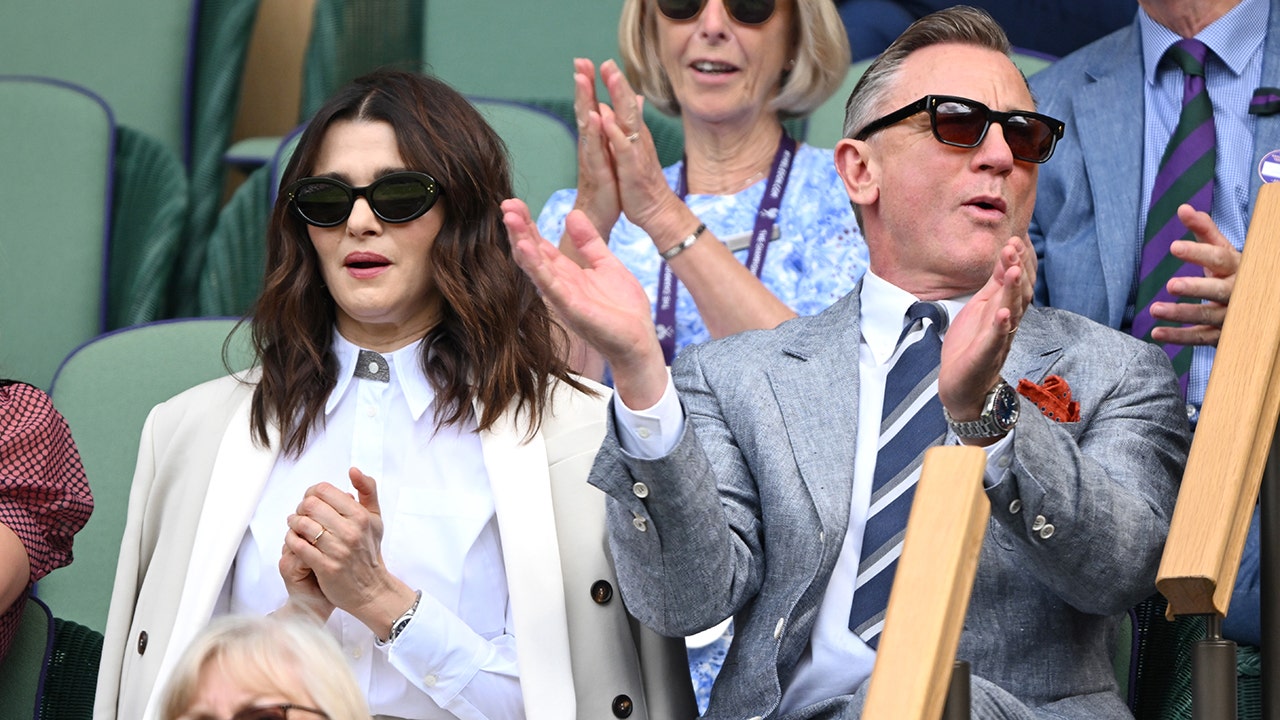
(44, 497)
(412, 433)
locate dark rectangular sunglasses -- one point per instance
(395, 198)
(961, 122)
(747, 12)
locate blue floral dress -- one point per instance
(816, 258)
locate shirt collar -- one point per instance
(404, 365)
(884, 311)
(1234, 38)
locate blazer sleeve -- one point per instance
(1087, 504)
(684, 529)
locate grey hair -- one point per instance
(960, 24)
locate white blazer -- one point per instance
(198, 478)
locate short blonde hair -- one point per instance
(821, 57)
(268, 654)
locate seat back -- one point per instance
(931, 587)
(105, 389)
(22, 670)
(57, 143)
(143, 77)
(543, 149)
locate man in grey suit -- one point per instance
(745, 487)
(1121, 103)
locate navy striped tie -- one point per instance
(1185, 176)
(911, 423)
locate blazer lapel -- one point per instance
(1034, 352)
(1113, 158)
(821, 361)
(521, 484)
(1266, 134)
(240, 471)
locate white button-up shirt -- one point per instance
(457, 657)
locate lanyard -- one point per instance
(766, 218)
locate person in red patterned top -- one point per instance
(44, 497)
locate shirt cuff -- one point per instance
(650, 433)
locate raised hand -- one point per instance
(978, 340)
(597, 183)
(1202, 321)
(600, 301)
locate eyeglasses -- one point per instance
(747, 12)
(281, 711)
(963, 123)
(395, 198)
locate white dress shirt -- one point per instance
(457, 657)
(836, 661)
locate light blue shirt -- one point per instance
(816, 257)
(1232, 72)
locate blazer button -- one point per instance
(142, 642)
(639, 522)
(641, 490)
(622, 706)
(1015, 506)
(601, 592)
(1038, 523)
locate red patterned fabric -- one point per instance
(44, 496)
(1053, 398)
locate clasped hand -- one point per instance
(332, 556)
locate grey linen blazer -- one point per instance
(746, 515)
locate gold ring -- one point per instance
(633, 136)
(319, 535)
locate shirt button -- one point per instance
(777, 629)
(430, 680)
(371, 412)
(1015, 506)
(1046, 532)
(639, 522)
(1004, 461)
(356, 653)
(622, 706)
(643, 433)
(1191, 411)
(641, 490)
(1038, 522)
(601, 592)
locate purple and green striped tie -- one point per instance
(1185, 176)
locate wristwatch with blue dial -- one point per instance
(999, 414)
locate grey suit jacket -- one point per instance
(747, 514)
(1085, 225)
(200, 473)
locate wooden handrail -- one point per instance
(1233, 436)
(931, 587)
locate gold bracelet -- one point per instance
(684, 244)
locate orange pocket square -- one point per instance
(1053, 398)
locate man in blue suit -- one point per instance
(1120, 104)
(749, 482)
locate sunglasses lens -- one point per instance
(1029, 138)
(273, 712)
(751, 12)
(680, 9)
(322, 203)
(401, 198)
(959, 124)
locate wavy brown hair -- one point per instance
(496, 343)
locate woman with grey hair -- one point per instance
(246, 667)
